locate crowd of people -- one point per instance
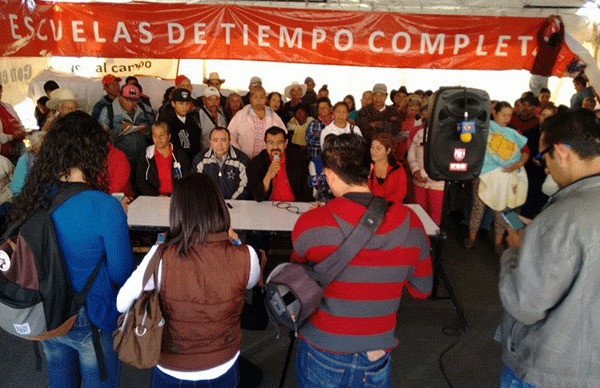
(203, 150)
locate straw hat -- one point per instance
(214, 76)
(294, 84)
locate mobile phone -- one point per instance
(513, 220)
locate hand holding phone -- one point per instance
(513, 220)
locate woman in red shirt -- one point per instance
(387, 178)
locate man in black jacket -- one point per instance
(160, 164)
(279, 172)
(183, 122)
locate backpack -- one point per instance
(294, 291)
(37, 300)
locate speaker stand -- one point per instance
(439, 274)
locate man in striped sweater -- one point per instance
(348, 340)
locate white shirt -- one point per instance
(332, 128)
(4, 138)
(133, 287)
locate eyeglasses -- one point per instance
(539, 160)
(287, 206)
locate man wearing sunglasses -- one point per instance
(550, 278)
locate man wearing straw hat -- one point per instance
(216, 82)
(62, 102)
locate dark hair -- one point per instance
(501, 105)
(167, 95)
(50, 86)
(351, 98)
(544, 90)
(341, 103)
(579, 128)
(131, 78)
(42, 100)
(197, 209)
(324, 99)
(580, 79)
(74, 141)
(304, 107)
(324, 88)
(346, 155)
(271, 96)
(219, 129)
(530, 99)
(274, 131)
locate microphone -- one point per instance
(276, 158)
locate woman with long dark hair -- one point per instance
(91, 227)
(202, 280)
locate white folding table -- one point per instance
(153, 212)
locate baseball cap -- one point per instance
(179, 79)
(130, 92)
(109, 78)
(181, 95)
(255, 80)
(380, 88)
(211, 91)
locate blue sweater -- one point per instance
(89, 225)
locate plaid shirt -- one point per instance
(313, 134)
(259, 133)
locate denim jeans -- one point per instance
(510, 380)
(317, 368)
(71, 359)
(230, 379)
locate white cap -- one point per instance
(211, 91)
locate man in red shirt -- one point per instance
(348, 339)
(160, 164)
(279, 172)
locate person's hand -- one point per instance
(125, 201)
(273, 169)
(126, 126)
(419, 177)
(514, 237)
(142, 127)
(233, 235)
(263, 262)
(315, 205)
(18, 134)
(512, 167)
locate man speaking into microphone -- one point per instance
(279, 172)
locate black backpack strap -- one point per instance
(327, 270)
(97, 341)
(111, 115)
(66, 192)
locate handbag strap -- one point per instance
(327, 270)
(152, 268)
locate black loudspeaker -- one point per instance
(455, 143)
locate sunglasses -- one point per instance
(539, 160)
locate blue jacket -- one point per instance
(89, 226)
(231, 177)
(133, 144)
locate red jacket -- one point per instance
(393, 188)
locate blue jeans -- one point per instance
(71, 359)
(317, 368)
(230, 379)
(510, 380)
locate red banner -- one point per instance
(145, 30)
